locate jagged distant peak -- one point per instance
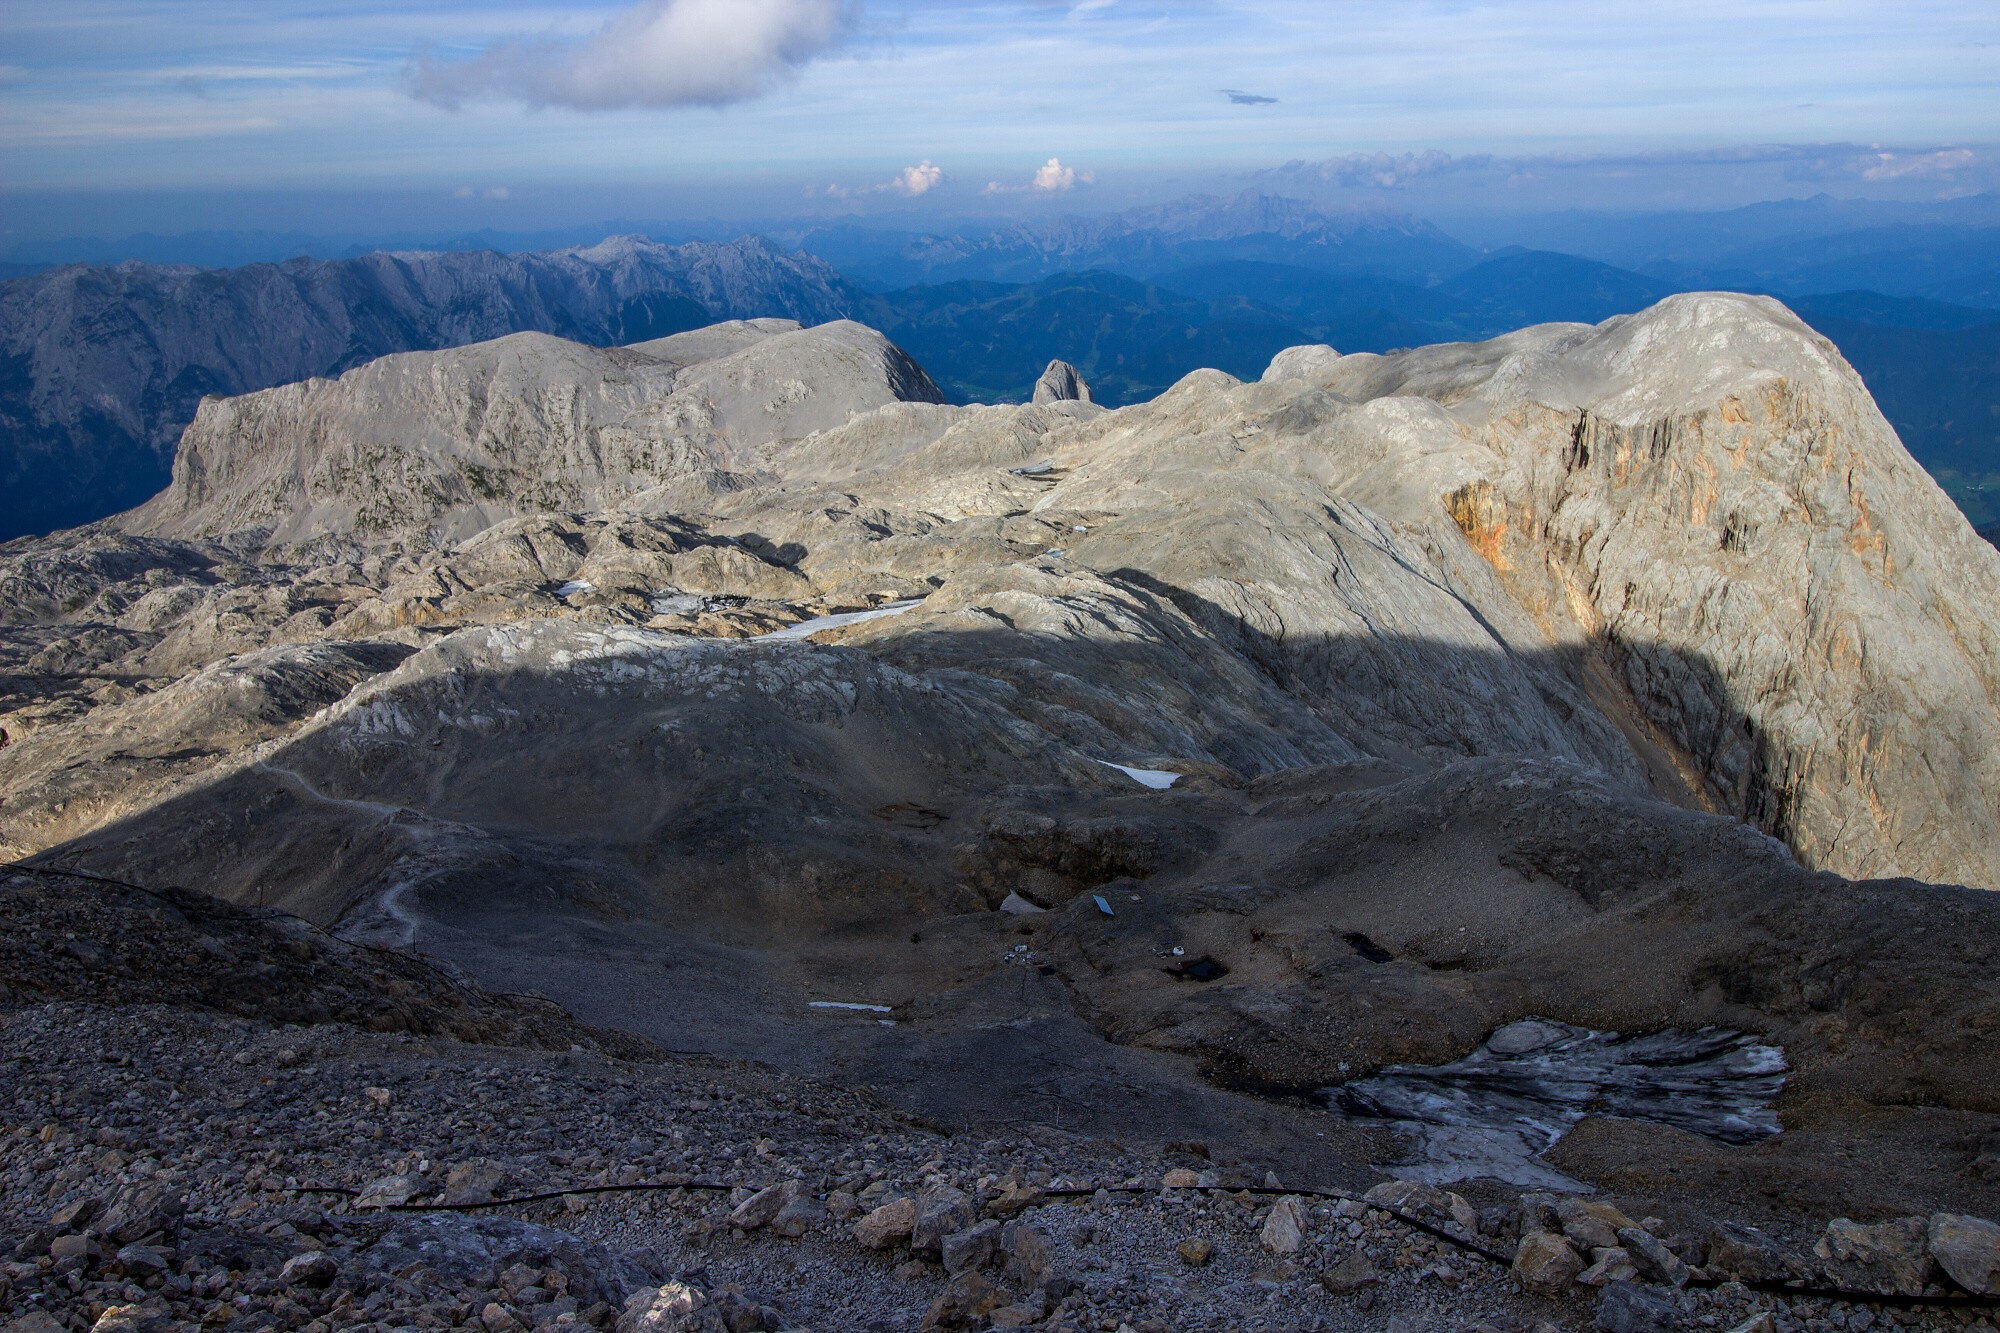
(616, 247)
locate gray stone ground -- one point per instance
(157, 1165)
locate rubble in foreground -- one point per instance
(165, 1163)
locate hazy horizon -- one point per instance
(272, 227)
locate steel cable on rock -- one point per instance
(1086, 1192)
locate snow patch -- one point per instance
(1159, 779)
(806, 628)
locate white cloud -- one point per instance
(659, 53)
(1055, 176)
(912, 181)
(920, 179)
(1051, 177)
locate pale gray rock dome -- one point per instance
(437, 446)
(1300, 363)
(110, 362)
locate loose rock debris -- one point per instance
(170, 1164)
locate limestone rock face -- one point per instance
(439, 445)
(1788, 598)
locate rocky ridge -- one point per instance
(1677, 533)
(431, 447)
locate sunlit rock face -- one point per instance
(435, 447)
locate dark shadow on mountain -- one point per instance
(704, 902)
(1257, 706)
(1683, 760)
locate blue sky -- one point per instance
(506, 113)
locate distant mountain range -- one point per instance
(1793, 246)
(1146, 242)
(988, 342)
(102, 367)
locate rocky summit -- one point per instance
(702, 834)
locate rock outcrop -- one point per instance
(1061, 383)
(437, 446)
